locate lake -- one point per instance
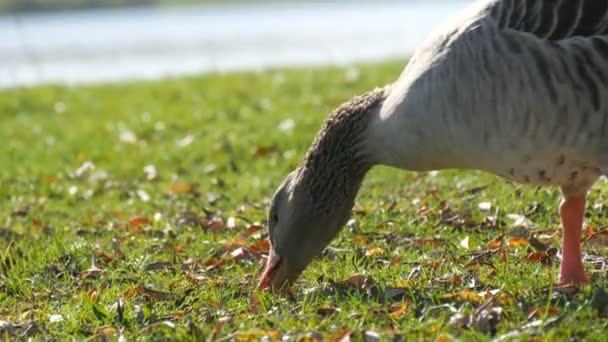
(154, 42)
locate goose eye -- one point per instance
(275, 218)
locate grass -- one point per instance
(130, 210)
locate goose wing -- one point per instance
(552, 19)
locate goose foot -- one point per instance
(571, 213)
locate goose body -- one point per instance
(517, 88)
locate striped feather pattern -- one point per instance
(553, 19)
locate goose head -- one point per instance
(315, 200)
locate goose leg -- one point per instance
(571, 212)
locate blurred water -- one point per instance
(149, 43)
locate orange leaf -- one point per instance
(361, 240)
(463, 296)
(539, 312)
(374, 251)
(496, 243)
(260, 246)
(253, 228)
(590, 230)
(258, 334)
(180, 188)
(138, 221)
(397, 260)
(541, 257)
(215, 223)
(356, 280)
(517, 242)
(401, 310)
(105, 331)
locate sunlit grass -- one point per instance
(80, 165)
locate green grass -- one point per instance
(71, 243)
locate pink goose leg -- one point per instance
(571, 212)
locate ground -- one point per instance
(137, 210)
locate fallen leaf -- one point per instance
(180, 188)
(485, 319)
(218, 326)
(253, 228)
(360, 282)
(541, 312)
(138, 221)
(540, 257)
(517, 242)
(449, 279)
(144, 290)
(397, 260)
(254, 304)
(215, 223)
(159, 265)
(496, 243)
(360, 240)
(257, 335)
(375, 251)
(462, 295)
(324, 312)
(105, 331)
(402, 310)
(342, 335)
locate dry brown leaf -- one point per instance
(485, 319)
(138, 221)
(214, 263)
(397, 260)
(180, 188)
(541, 312)
(260, 246)
(104, 256)
(401, 310)
(496, 243)
(257, 335)
(463, 295)
(160, 265)
(106, 331)
(253, 228)
(449, 279)
(361, 240)
(425, 241)
(375, 251)
(218, 326)
(144, 290)
(360, 281)
(540, 257)
(341, 335)
(254, 304)
(215, 223)
(518, 242)
(324, 312)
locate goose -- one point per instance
(514, 88)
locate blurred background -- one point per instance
(87, 41)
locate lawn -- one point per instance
(137, 210)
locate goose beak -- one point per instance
(273, 264)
